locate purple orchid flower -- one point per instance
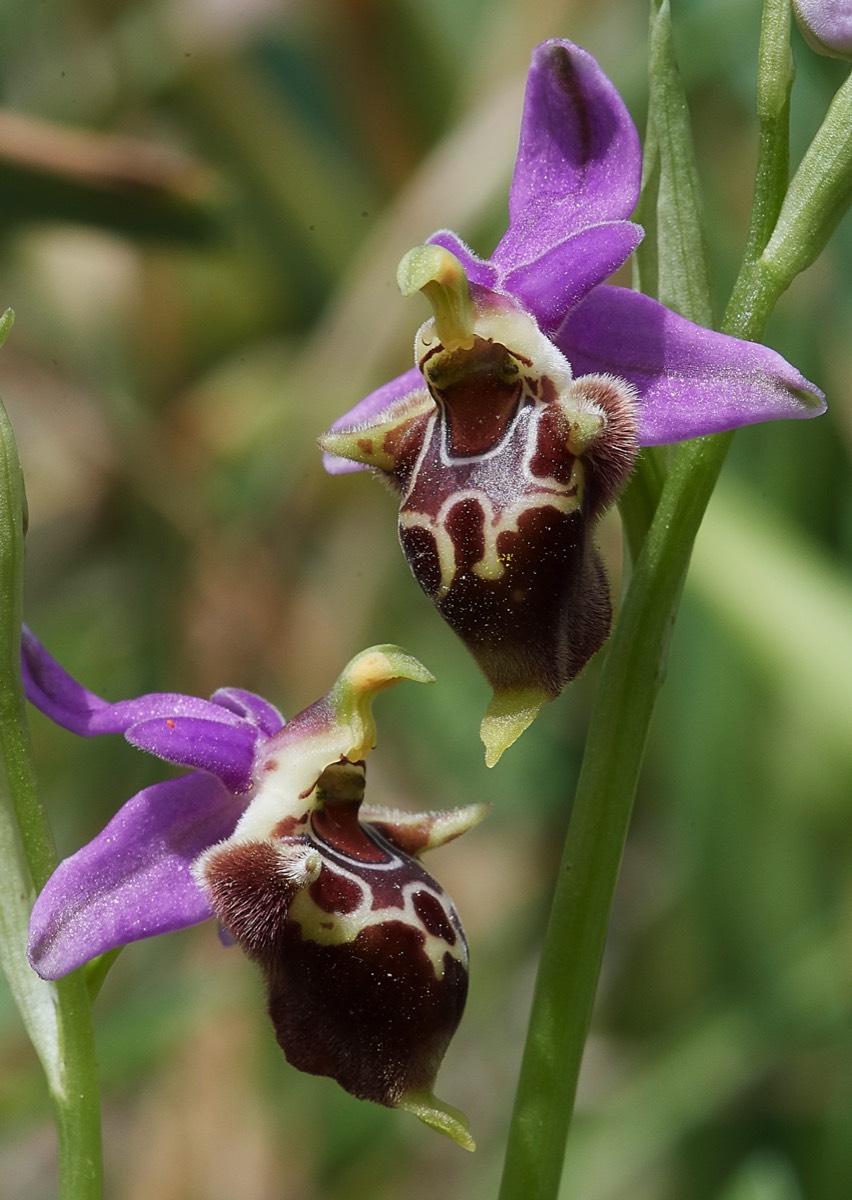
(535, 384)
(363, 953)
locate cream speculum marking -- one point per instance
(465, 465)
(503, 462)
(364, 881)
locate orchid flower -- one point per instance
(535, 384)
(363, 953)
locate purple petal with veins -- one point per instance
(254, 708)
(73, 707)
(553, 283)
(133, 880)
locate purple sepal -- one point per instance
(133, 880)
(370, 406)
(691, 381)
(69, 704)
(579, 159)
(224, 750)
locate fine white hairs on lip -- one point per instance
(299, 864)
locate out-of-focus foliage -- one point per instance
(202, 283)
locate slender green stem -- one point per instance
(57, 1016)
(639, 500)
(77, 1110)
(774, 84)
(818, 196)
(631, 677)
(630, 680)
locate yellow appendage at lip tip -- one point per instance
(441, 278)
(511, 711)
(438, 1115)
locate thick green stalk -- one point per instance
(57, 1016)
(639, 500)
(571, 959)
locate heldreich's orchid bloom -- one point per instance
(534, 386)
(362, 951)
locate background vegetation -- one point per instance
(202, 204)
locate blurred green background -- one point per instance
(202, 205)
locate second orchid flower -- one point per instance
(362, 951)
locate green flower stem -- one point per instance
(774, 84)
(640, 498)
(818, 196)
(630, 679)
(77, 1108)
(57, 1016)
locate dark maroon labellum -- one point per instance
(363, 954)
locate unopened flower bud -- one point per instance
(826, 25)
